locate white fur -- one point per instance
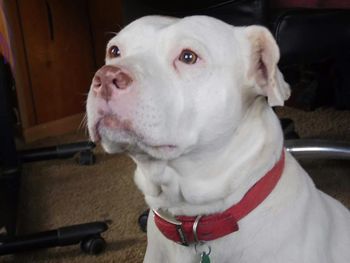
(203, 134)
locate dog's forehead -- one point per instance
(146, 30)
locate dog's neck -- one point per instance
(217, 176)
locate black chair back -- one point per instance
(234, 12)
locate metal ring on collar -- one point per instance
(194, 229)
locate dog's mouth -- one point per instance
(108, 125)
(110, 129)
(113, 123)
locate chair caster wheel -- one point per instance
(86, 158)
(143, 220)
(93, 245)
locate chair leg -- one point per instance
(87, 234)
(9, 191)
(320, 149)
(57, 152)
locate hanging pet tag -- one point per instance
(204, 255)
(205, 258)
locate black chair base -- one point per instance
(63, 151)
(88, 235)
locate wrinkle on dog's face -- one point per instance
(171, 107)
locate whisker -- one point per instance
(83, 123)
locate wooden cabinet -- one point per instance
(60, 58)
(56, 46)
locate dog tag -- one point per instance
(205, 258)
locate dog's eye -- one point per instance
(187, 56)
(114, 52)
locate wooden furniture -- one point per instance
(55, 48)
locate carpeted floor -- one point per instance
(60, 192)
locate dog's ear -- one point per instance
(264, 56)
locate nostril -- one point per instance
(122, 80)
(97, 82)
(115, 83)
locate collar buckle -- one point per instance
(172, 220)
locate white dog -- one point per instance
(186, 98)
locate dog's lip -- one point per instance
(96, 137)
(95, 134)
(110, 121)
(165, 146)
(144, 144)
(159, 151)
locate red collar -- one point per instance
(190, 229)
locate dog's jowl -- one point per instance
(190, 101)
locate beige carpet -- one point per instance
(58, 193)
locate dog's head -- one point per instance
(171, 86)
